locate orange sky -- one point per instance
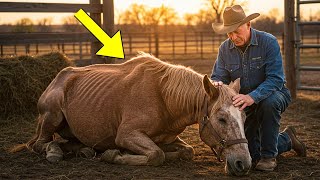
(180, 6)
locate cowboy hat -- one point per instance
(233, 17)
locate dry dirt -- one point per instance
(303, 113)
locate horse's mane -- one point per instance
(182, 86)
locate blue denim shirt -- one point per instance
(259, 67)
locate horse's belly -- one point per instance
(98, 132)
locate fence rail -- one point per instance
(77, 45)
(95, 8)
(48, 7)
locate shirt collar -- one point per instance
(253, 40)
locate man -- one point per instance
(254, 57)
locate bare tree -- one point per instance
(134, 15)
(71, 24)
(44, 24)
(204, 17)
(189, 19)
(149, 17)
(218, 6)
(170, 16)
(24, 25)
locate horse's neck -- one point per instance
(184, 99)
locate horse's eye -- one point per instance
(222, 120)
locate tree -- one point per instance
(45, 24)
(218, 6)
(134, 15)
(24, 25)
(270, 22)
(189, 19)
(204, 17)
(71, 24)
(148, 17)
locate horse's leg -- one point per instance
(178, 150)
(77, 148)
(49, 124)
(138, 142)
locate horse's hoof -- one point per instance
(110, 155)
(54, 152)
(86, 152)
(187, 153)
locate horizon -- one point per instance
(193, 6)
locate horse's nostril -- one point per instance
(239, 166)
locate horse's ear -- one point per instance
(235, 85)
(209, 88)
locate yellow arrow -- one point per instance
(112, 47)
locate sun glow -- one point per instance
(180, 6)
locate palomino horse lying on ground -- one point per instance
(140, 106)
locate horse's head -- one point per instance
(222, 127)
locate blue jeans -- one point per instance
(263, 123)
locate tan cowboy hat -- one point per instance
(233, 17)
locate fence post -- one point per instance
(96, 45)
(62, 47)
(80, 50)
(130, 44)
(28, 48)
(201, 45)
(185, 42)
(157, 43)
(108, 22)
(150, 40)
(318, 40)
(37, 48)
(289, 61)
(173, 48)
(15, 50)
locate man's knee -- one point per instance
(275, 102)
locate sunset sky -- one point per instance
(180, 6)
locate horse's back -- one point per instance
(96, 96)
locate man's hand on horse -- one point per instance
(242, 101)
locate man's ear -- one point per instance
(235, 85)
(209, 88)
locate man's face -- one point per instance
(241, 35)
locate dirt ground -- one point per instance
(303, 113)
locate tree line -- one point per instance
(141, 18)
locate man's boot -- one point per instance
(266, 164)
(298, 146)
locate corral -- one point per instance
(17, 118)
(303, 113)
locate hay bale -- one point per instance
(24, 78)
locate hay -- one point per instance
(23, 79)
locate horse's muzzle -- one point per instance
(237, 166)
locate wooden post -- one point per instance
(96, 45)
(201, 45)
(318, 40)
(289, 61)
(185, 42)
(156, 44)
(80, 50)
(149, 42)
(173, 48)
(108, 22)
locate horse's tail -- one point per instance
(28, 145)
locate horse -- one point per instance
(133, 113)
